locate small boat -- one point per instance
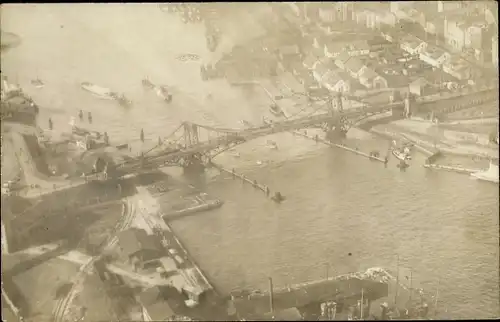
(400, 155)
(147, 83)
(98, 91)
(246, 123)
(37, 83)
(278, 197)
(162, 92)
(276, 110)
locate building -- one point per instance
(420, 87)
(458, 68)
(434, 56)
(370, 79)
(309, 61)
(461, 31)
(334, 82)
(373, 18)
(413, 45)
(289, 55)
(445, 6)
(322, 67)
(354, 67)
(333, 49)
(154, 306)
(138, 247)
(358, 48)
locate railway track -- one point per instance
(63, 304)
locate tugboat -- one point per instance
(276, 110)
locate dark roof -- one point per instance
(343, 57)
(156, 306)
(354, 65)
(310, 60)
(133, 240)
(304, 295)
(369, 74)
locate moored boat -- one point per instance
(490, 175)
(98, 91)
(162, 92)
(276, 110)
(37, 83)
(400, 155)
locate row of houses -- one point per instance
(437, 57)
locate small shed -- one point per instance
(154, 306)
(420, 86)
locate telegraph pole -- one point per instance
(397, 281)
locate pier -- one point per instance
(450, 168)
(265, 189)
(340, 146)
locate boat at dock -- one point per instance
(160, 90)
(202, 205)
(401, 155)
(37, 83)
(490, 175)
(276, 110)
(98, 91)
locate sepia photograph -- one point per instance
(250, 161)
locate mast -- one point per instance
(271, 295)
(411, 285)
(397, 281)
(327, 270)
(362, 303)
(436, 299)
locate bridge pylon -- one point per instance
(338, 127)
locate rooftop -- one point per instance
(331, 78)
(158, 309)
(134, 239)
(354, 65)
(258, 304)
(434, 52)
(369, 73)
(411, 41)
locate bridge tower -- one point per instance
(192, 163)
(338, 126)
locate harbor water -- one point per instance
(444, 226)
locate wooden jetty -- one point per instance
(340, 146)
(451, 168)
(254, 183)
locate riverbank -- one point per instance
(429, 138)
